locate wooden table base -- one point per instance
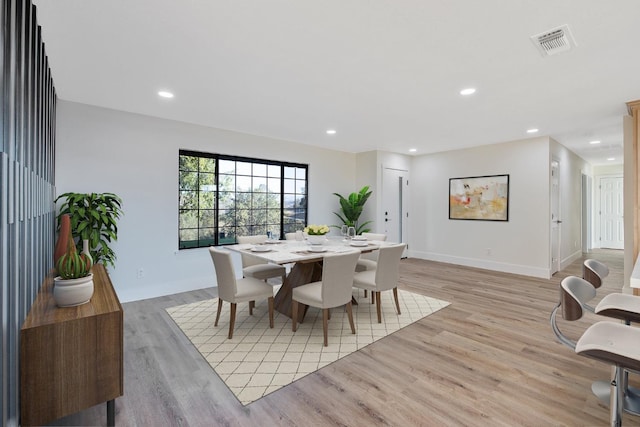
(301, 274)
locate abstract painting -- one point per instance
(483, 198)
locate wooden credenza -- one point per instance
(71, 358)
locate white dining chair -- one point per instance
(258, 268)
(369, 261)
(235, 291)
(334, 290)
(384, 277)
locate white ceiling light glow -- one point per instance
(534, 130)
(412, 150)
(331, 132)
(468, 91)
(594, 142)
(611, 158)
(165, 94)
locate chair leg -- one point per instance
(365, 293)
(270, 300)
(373, 297)
(378, 309)
(219, 310)
(350, 314)
(395, 297)
(329, 315)
(232, 321)
(325, 325)
(294, 315)
(252, 304)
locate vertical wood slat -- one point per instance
(27, 148)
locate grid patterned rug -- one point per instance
(260, 360)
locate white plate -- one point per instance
(260, 249)
(359, 243)
(359, 239)
(317, 249)
(271, 242)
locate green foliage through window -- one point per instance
(221, 197)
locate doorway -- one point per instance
(555, 216)
(611, 235)
(394, 203)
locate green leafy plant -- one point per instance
(351, 208)
(93, 217)
(73, 265)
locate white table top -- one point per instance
(288, 251)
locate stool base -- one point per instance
(602, 390)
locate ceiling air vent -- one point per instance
(554, 41)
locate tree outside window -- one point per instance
(240, 196)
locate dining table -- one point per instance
(305, 259)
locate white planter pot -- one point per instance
(70, 292)
(316, 240)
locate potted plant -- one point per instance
(351, 208)
(94, 218)
(74, 283)
(316, 233)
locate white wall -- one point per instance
(136, 157)
(520, 245)
(367, 174)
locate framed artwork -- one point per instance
(484, 198)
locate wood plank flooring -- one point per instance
(489, 359)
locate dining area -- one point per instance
(307, 270)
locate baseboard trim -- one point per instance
(525, 270)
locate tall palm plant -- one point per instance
(351, 208)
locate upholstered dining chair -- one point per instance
(235, 290)
(384, 277)
(255, 267)
(369, 260)
(609, 342)
(334, 290)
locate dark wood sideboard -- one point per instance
(71, 358)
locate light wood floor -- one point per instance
(489, 359)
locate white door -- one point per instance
(555, 216)
(394, 183)
(611, 216)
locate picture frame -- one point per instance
(483, 198)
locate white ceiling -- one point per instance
(385, 74)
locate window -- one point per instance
(222, 197)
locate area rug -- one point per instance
(260, 360)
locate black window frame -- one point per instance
(283, 226)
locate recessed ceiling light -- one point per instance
(611, 158)
(468, 91)
(594, 142)
(165, 94)
(413, 150)
(534, 130)
(331, 132)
